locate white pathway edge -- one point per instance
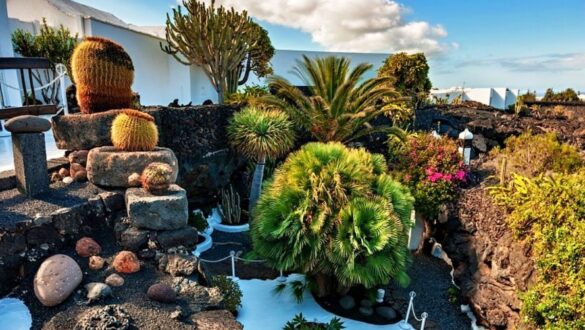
(264, 310)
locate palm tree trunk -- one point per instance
(256, 184)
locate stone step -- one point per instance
(158, 212)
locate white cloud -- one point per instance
(349, 25)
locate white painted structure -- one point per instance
(159, 78)
(499, 98)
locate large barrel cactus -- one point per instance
(334, 214)
(134, 130)
(103, 73)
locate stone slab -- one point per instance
(83, 131)
(108, 167)
(158, 212)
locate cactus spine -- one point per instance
(103, 73)
(157, 178)
(133, 130)
(230, 209)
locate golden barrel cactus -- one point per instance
(134, 130)
(103, 73)
(157, 177)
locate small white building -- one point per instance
(159, 78)
(499, 98)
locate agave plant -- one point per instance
(260, 134)
(341, 103)
(332, 213)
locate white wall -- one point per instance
(482, 95)
(158, 77)
(284, 61)
(10, 97)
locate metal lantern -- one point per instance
(465, 140)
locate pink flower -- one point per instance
(460, 175)
(430, 171)
(448, 177)
(435, 177)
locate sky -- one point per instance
(479, 43)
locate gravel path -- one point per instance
(430, 280)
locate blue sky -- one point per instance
(480, 43)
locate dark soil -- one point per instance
(146, 314)
(15, 207)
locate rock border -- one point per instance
(23, 247)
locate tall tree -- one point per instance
(411, 76)
(257, 59)
(216, 39)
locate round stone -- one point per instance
(87, 247)
(96, 262)
(115, 280)
(27, 124)
(97, 291)
(126, 262)
(347, 302)
(386, 312)
(162, 293)
(56, 279)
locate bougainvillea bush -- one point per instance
(431, 167)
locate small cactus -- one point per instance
(230, 210)
(157, 177)
(134, 130)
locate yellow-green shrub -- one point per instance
(549, 213)
(530, 155)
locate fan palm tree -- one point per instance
(260, 134)
(341, 103)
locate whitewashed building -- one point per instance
(499, 98)
(159, 78)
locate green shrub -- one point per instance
(431, 167)
(334, 214)
(529, 155)
(300, 323)
(341, 102)
(548, 213)
(198, 220)
(232, 295)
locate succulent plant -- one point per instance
(103, 73)
(229, 209)
(157, 177)
(133, 130)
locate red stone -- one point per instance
(87, 247)
(126, 262)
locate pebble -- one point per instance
(386, 312)
(126, 262)
(96, 262)
(86, 247)
(64, 172)
(366, 311)
(134, 180)
(347, 302)
(175, 315)
(67, 180)
(115, 280)
(97, 291)
(162, 293)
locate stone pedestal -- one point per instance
(158, 212)
(108, 167)
(30, 163)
